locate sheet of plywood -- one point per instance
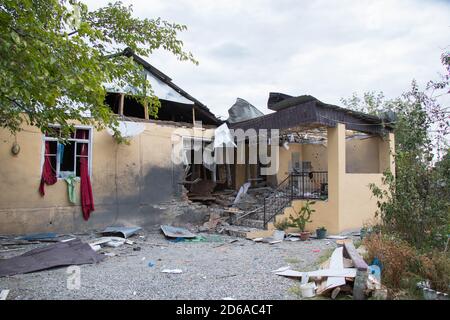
(336, 264)
(345, 272)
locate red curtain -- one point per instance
(87, 199)
(48, 173)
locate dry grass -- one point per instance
(404, 266)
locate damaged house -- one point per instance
(131, 184)
(326, 153)
(323, 152)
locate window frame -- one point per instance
(89, 141)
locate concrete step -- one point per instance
(241, 231)
(252, 223)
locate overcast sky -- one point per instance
(328, 49)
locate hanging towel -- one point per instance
(60, 152)
(71, 180)
(87, 199)
(48, 173)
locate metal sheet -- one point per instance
(174, 232)
(125, 232)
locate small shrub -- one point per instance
(395, 255)
(404, 266)
(303, 216)
(435, 267)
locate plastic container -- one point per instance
(308, 290)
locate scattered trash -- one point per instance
(95, 247)
(151, 263)
(378, 263)
(4, 294)
(196, 239)
(243, 190)
(375, 271)
(228, 298)
(137, 249)
(278, 235)
(58, 254)
(271, 240)
(109, 254)
(316, 250)
(109, 241)
(174, 232)
(124, 232)
(171, 271)
(430, 294)
(336, 237)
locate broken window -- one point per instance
(65, 156)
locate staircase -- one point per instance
(302, 185)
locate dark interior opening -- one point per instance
(67, 161)
(132, 108)
(169, 110)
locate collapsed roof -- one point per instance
(242, 110)
(308, 112)
(173, 98)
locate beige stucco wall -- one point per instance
(128, 181)
(362, 155)
(350, 202)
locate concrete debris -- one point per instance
(4, 294)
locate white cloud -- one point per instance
(328, 49)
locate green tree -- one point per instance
(56, 55)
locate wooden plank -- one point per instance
(146, 116)
(346, 273)
(358, 261)
(121, 103)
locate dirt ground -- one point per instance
(214, 269)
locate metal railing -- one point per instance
(298, 185)
(309, 185)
